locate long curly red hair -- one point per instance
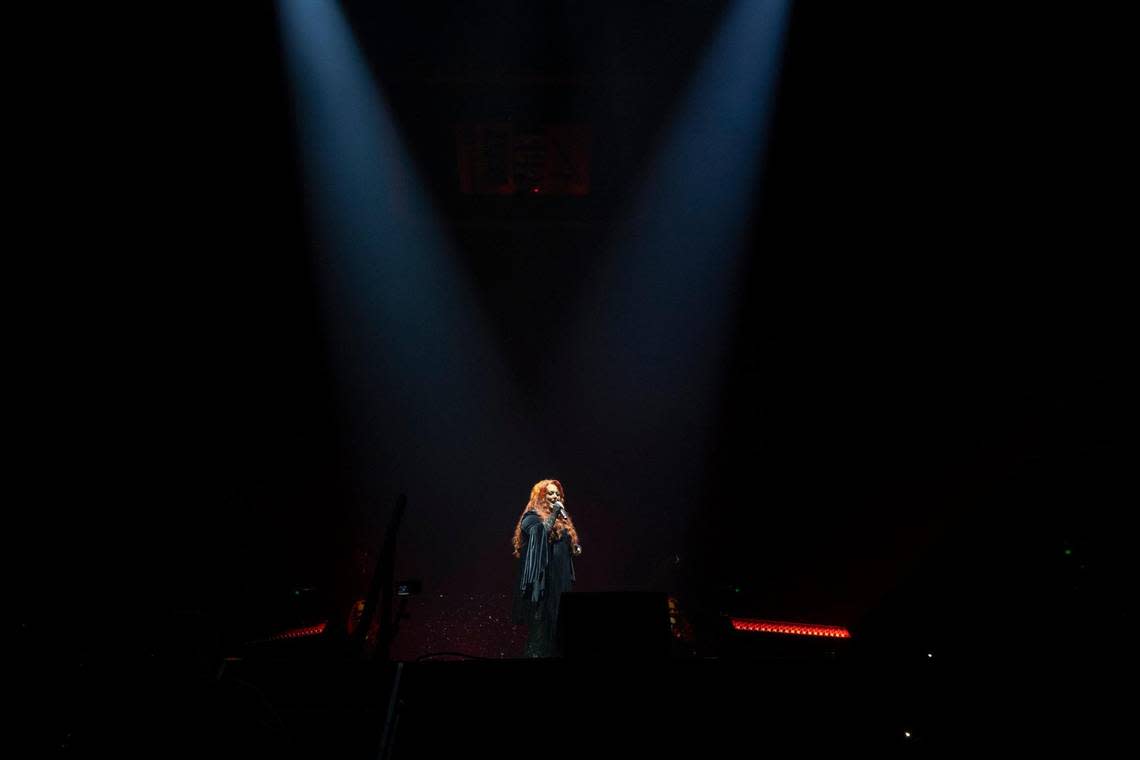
(538, 504)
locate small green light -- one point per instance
(1068, 552)
(738, 589)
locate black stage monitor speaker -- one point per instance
(625, 624)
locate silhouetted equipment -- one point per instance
(409, 587)
(614, 624)
(380, 593)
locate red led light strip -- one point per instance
(296, 633)
(794, 629)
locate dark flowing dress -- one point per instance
(546, 570)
